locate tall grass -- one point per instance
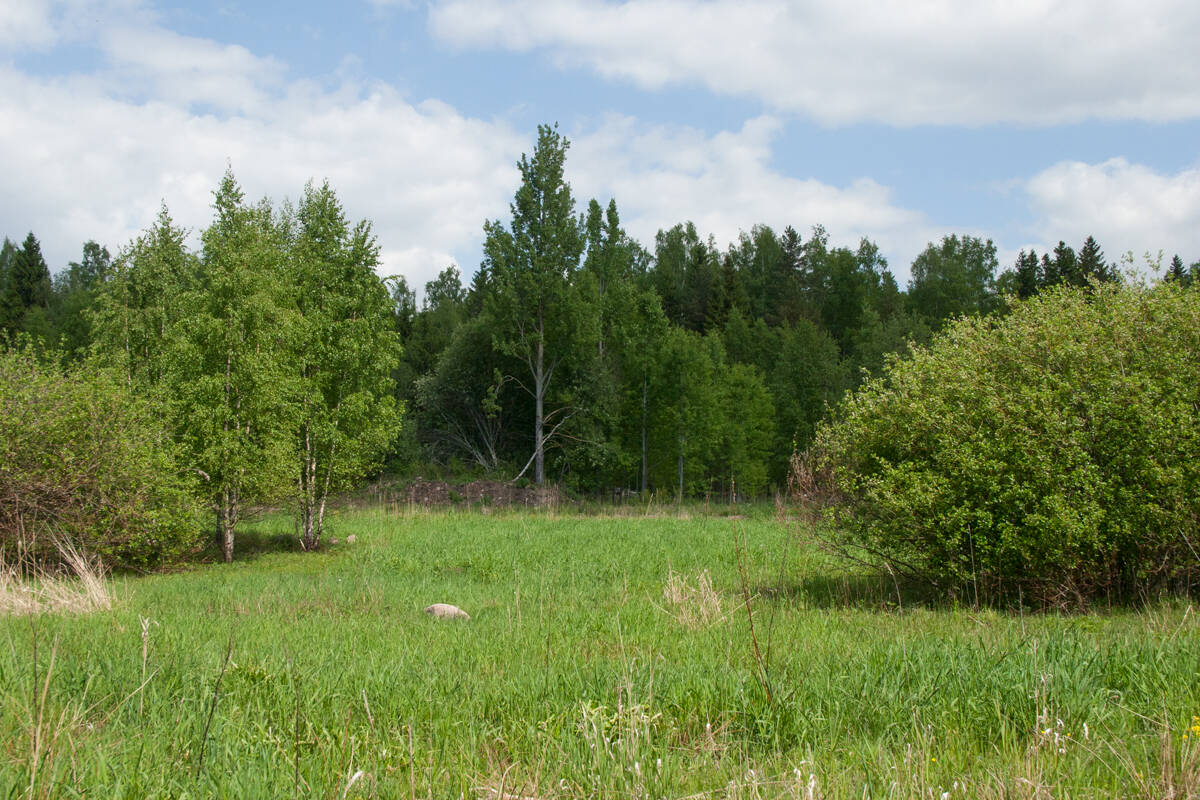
(583, 673)
(80, 586)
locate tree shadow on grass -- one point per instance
(254, 541)
(878, 592)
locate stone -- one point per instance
(446, 611)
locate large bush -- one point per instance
(84, 460)
(1053, 452)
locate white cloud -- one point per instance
(896, 61)
(1127, 207)
(25, 24)
(83, 160)
(93, 156)
(724, 183)
(188, 71)
(40, 24)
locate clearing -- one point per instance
(605, 657)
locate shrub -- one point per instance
(85, 462)
(1053, 452)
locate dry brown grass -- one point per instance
(82, 589)
(695, 605)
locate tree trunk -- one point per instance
(645, 462)
(682, 441)
(226, 522)
(309, 535)
(539, 387)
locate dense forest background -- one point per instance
(575, 354)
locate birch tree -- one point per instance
(347, 349)
(231, 388)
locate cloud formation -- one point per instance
(663, 175)
(94, 155)
(1039, 62)
(1127, 207)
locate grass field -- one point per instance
(606, 656)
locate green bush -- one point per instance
(82, 459)
(1052, 453)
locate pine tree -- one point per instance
(1049, 272)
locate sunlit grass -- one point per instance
(605, 656)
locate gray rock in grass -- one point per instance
(446, 611)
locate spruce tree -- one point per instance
(1029, 275)
(1091, 262)
(1175, 272)
(1066, 265)
(27, 290)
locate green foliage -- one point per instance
(344, 351)
(953, 278)
(73, 295)
(230, 380)
(807, 378)
(542, 318)
(1054, 452)
(747, 437)
(85, 459)
(26, 293)
(138, 305)
(685, 410)
(456, 403)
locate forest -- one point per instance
(286, 367)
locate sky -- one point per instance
(1023, 121)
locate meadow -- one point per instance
(614, 655)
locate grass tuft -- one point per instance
(33, 590)
(697, 605)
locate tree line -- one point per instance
(268, 355)
(575, 354)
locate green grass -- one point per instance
(576, 678)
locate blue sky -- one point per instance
(1025, 122)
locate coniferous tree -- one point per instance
(73, 295)
(1091, 263)
(1028, 273)
(1066, 266)
(404, 305)
(26, 298)
(1049, 272)
(790, 304)
(1176, 272)
(7, 251)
